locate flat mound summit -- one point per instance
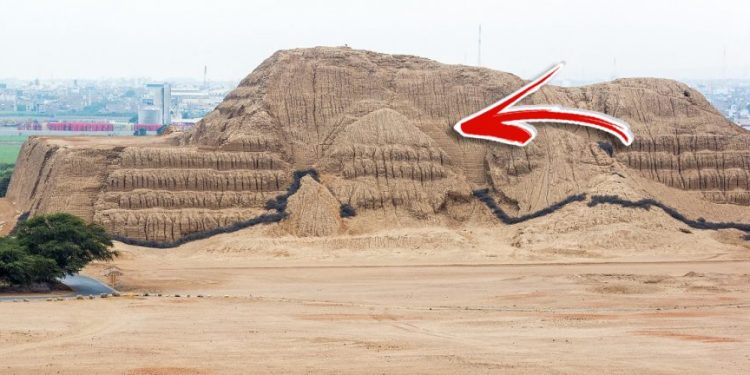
(378, 130)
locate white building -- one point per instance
(161, 96)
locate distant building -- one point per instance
(149, 114)
(79, 126)
(160, 95)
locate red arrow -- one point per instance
(501, 122)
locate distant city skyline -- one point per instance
(100, 39)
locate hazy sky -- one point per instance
(169, 39)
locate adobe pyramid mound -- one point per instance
(312, 210)
(378, 128)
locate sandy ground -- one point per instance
(286, 308)
(8, 215)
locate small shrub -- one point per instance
(606, 147)
(347, 210)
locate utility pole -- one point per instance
(205, 76)
(614, 68)
(479, 47)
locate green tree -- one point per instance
(21, 268)
(68, 240)
(6, 171)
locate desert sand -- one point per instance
(338, 305)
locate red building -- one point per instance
(80, 126)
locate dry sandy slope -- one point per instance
(8, 216)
